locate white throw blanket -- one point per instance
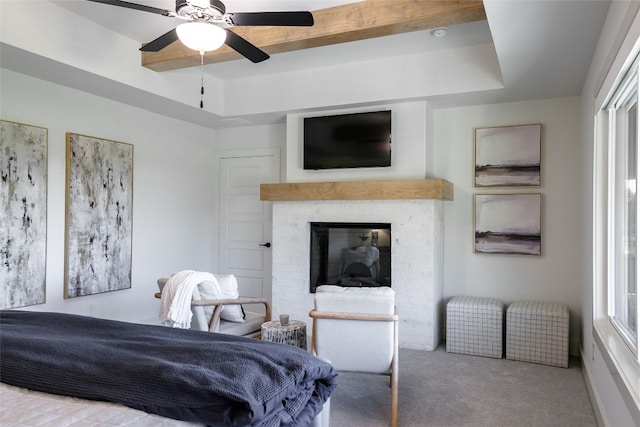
(175, 302)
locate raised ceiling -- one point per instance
(384, 28)
(525, 49)
(338, 24)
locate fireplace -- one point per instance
(414, 210)
(350, 254)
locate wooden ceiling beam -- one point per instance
(340, 24)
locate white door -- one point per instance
(245, 222)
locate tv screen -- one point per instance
(358, 140)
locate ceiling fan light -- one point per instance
(200, 3)
(201, 36)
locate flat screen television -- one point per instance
(357, 140)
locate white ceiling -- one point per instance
(544, 47)
(363, 50)
(144, 27)
(128, 23)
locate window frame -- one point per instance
(624, 96)
(620, 360)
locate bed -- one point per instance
(192, 376)
(21, 407)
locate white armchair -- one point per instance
(207, 313)
(356, 329)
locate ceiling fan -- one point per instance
(206, 25)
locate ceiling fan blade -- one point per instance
(161, 42)
(135, 6)
(278, 19)
(243, 47)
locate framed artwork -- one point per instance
(99, 215)
(23, 196)
(508, 223)
(507, 156)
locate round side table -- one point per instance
(294, 333)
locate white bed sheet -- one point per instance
(21, 407)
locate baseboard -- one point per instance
(596, 402)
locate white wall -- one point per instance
(439, 143)
(172, 200)
(250, 140)
(173, 170)
(388, 78)
(556, 275)
(442, 144)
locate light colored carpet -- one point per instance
(446, 389)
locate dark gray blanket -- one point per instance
(204, 377)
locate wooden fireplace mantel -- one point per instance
(358, 190)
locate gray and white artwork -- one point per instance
(99, 215)
(508, 223)
(507, 156)
(23, 232)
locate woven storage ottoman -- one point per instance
(474, 326)
(538, 332)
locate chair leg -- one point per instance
(394, 400)
(394, 377)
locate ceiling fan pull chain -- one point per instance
(202, 79)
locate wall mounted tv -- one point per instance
(357, 140)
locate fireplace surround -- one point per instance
(417, 223)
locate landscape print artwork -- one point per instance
(507, 156)
(23, 196)
(508, 224)
(99, 215)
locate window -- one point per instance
(623, 209)
(616, 217)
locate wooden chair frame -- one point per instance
(219, 303)
(393, 370)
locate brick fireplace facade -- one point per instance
(417, 230)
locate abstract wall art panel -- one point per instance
(99, 215)
(507, 156)
(508, 223)
(23, 197)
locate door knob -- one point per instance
(266, 245)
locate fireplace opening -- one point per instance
(350, 254)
